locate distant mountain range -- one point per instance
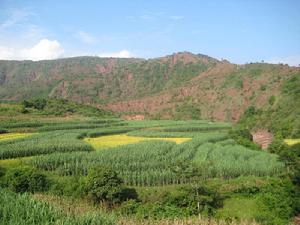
(182, 85)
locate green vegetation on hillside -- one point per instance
(182, 85)
(217, 173)
(281, 117)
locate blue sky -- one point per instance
(238, 30)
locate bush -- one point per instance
(272, 100)
(243, 137)
(26, 180)
(197, 199)
(69, 186)
(104, 185)
(278, 200)
(36, 103)
(250, 111)
(181, 202)
(129, 207)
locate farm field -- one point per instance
(9, 136)
(172, 156)
(122, 139)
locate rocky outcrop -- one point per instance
(263, 138)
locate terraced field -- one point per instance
(10, 136)
(139, 151)
(111, 141)
(144, 154)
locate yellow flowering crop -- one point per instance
(292, 141)
(123, 139)
(8, 136)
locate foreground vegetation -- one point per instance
(22, 209)
(140, 172)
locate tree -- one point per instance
(104, 185)
(186, 171)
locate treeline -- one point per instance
(57, 107)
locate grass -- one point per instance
(9, 136)
(240, 208)
(123, 139)
(78, 207)
(186, 221)
(14, 162)
(292, 141)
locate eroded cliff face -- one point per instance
(262, 137)
(163, 87)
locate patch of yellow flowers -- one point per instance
(292, 141)
(8, 136)
(123, 139)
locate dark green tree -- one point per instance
(104, 185)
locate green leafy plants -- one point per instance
(26, 180)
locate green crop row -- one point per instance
(153, 162)
(54, 141)
(22, 209)
(44, 143)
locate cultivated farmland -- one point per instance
(144, 154)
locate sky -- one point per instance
(240, 31)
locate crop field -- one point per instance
(148, 162)
(9, 136)
(144, 154)
(123, 139)
(140, 151)
(21, 209)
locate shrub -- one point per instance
(250, 111)
(26, 180)
(69, 186)
(272, 100)
(243, 137)
(278, 201)
(104, 185)
(37, 104)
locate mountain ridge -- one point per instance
(180, 85)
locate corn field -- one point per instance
(51, 142)
(22, 209)
(152, 162)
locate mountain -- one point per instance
(182, 85)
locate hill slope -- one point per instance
(181, 85)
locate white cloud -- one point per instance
(6, 53)
(86, 37)
(121, 54)
(45, 49)
(291, 60)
